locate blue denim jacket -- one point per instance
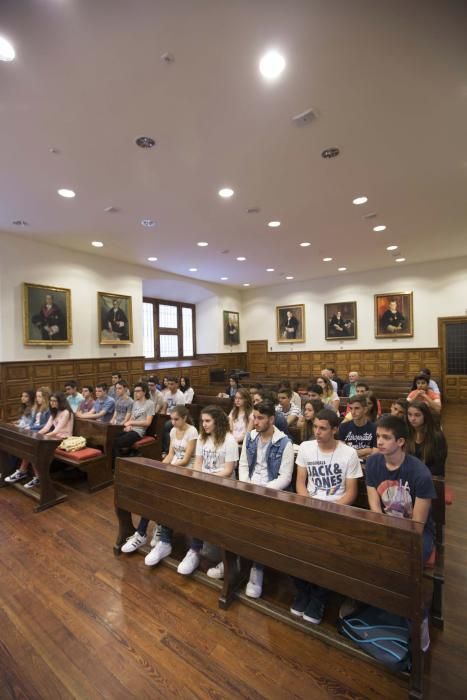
(273, 455)
(43, 420)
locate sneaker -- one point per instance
(161, 550)
(313, 612)
(189, 563)
(133, 543)
(300, 603)
(16, 476)
(425, 635)
(348, 607)
(254, 587)
(156, 535)
(216, 571)
(35, 481)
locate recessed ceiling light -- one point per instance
(97, 244)
(145, 142)
(271, 65)
(360, 200)
(7, 52)
(148, 223)
(269, 269)
(241, 258)
(392, 247)
(152, 259)
(341, 269)
(381, 227)
(193, 269)
(202, 244)
(274, 224)
(246, 284)
(305, 244)
(20, 222)
(224, 278)
(331, 152)
(289, 277)
(68, 194)
(226, 192)
(327, 259)
(400, 259)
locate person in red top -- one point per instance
(424, 394)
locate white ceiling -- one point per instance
(388, 80)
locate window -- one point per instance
(168, 330)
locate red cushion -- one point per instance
(79, 455)
(431, 561)
(146, 440)
(448, 495)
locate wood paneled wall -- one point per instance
(199, 372)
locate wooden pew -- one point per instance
(37, 449)
(353, 552)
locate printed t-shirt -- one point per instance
(358, 436)
(214, 458)
(123, 404)
(139, 411)
(180, 446)
(74, 401)
(173, 400)
(328, 471)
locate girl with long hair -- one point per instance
(330, 398)
(39, 416)
(241, 415)
(373, 410)
(305, 421)
(426, 440)
(25, 411)
(186, 389)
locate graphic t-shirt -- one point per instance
(214, 458)
(399, 488)
(358, 436)
(179, 446)
(123, 404)
(139, 411)
(173, 400)
(328, 471)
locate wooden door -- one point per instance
(256, 356)
(452, 332)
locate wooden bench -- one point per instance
(354, 552)
(203, 400)
(150, 444)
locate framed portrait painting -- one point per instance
(115, 319)
(46, 315)
(231, 322)
(394, 315)
(290, 322)
(340, 321)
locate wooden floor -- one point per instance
(77, 622)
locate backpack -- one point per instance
(382, 635)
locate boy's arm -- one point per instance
(421, 510)
(374, 500)
(300, 484)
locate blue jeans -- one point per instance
(166, 532)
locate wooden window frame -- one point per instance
(171, 331)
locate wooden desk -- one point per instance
(354, 552)
(37, 449)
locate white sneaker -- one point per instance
(254, 587)
(133, 543)
(35, 481)
(156, 535)
(216, 571)
(189, 563)
(161, 550)
(16, 476)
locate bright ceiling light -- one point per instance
(246, 284)
(360, 200)
(226, 192)
(289, 277)
(271, 65)
(342, 269)
(202, 244)
(382, 227)
(97, 244)
(327, 259)
(274, 224)
(7, 52)
(68, 194)
(392, 247)
(305, 244)
(193, 269)
(400, 259)
(269, 269)
(152, 259)
(241, 258)
(224, 278)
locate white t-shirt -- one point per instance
(173, 400)
(180, 446)
(328, 471)
(260, 474)
(214, 458)
(188, 394)
(238, 426)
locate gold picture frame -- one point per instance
(290, 323)
(394, 315)
(340, 320)
(46, 315)
(114, 319)
(231, 323)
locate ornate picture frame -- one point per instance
(231, 325)
(46, 315)
(340, 320)
(114, 319)
(290, 323)
(394, 315)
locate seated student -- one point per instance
(59, 425)
(139, 421)
(183, 438)
(315, 392)
(431, 382)
(373, 406)
(350, 389)
(88, 400)
(155, 395)
(123, 403)
(216, 454)
(255, 389)
(423, 393)
(73, 396)
(289, 410)
(295, 398)
(361, 389)
(329, 397)
(327, 374)
(326, 469)
(279, 420)
(241, 415)
(337, 380)
(116, 376)
(305, 422)
(400, 485)
(426, 440)
(25, 411)
(359, 433)
(104, 406)
(231, 389)
(186, 389)
(399, 408)
(172, 397)
(267, 459)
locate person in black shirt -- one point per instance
(392, 321)
(426, 440)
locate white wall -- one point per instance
(209, 322)
(439, 289)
